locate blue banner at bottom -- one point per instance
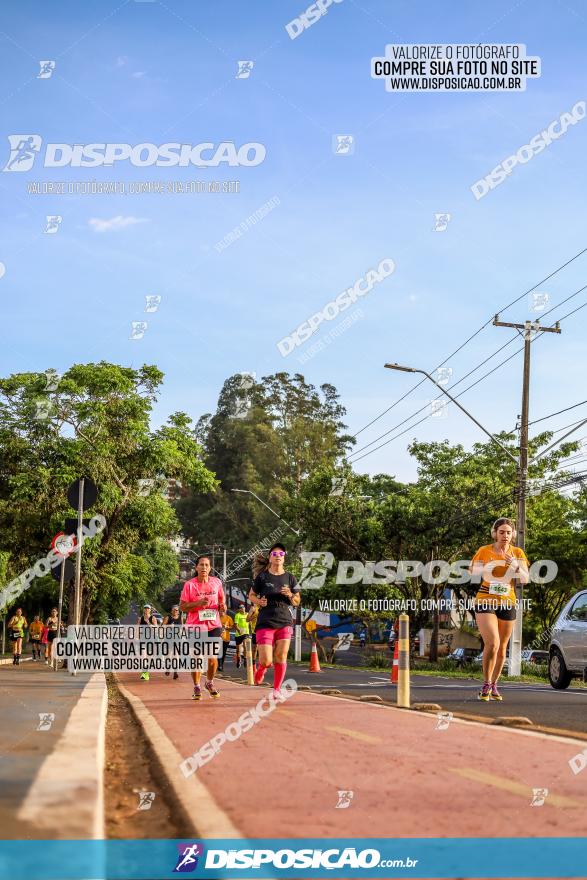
(383, 858)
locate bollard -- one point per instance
(249, 661)
(403, 683)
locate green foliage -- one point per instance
(98, 426)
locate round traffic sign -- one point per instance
(90, 493)
(63, 544)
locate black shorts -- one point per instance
(51, 635)
(253, 639)
(239, 639)
(15, 635)
(215, 633)
(500, 613)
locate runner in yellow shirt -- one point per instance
(495, 603)
(35, 635)
(227, 624)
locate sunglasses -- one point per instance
(277, 553)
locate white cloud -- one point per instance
(121, 61)
(118, 222)
(138, 74)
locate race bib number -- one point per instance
(208, 614)
(497, 589)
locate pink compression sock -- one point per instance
(279, 675)
(260, 673)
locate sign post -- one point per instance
(81, 494)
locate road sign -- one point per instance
(90, 493)
(69, 572)
(70, 527)
(64, 542)
(311, 625)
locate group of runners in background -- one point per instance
(41, 635)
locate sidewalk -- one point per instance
(408, 779)
(51, 779)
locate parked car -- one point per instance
(461, 656)
(533, 656)
(568, 643)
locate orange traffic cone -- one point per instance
(395, 665)
(314, 662)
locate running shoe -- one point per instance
(484, 692)
(176, 675)
(145, 676)
(197, 694)
(209, 685)
(495, 694)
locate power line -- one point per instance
(422, 408)
(574, 406)
(409, 428)
(476, 333)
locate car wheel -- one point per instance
(558, 674)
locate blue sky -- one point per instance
(165, 72)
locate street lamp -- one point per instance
(248, 492)
(515, 664)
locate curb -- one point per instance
(192, 796)
(8, 662)
(73, 773)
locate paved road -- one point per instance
(26, 691)
(408, 778)
(540, 703)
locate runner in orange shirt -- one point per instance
(497, 565)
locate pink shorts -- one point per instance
(268, 636)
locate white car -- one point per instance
(568, 643)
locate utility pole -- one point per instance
(527, 330)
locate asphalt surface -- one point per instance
(541, 703)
